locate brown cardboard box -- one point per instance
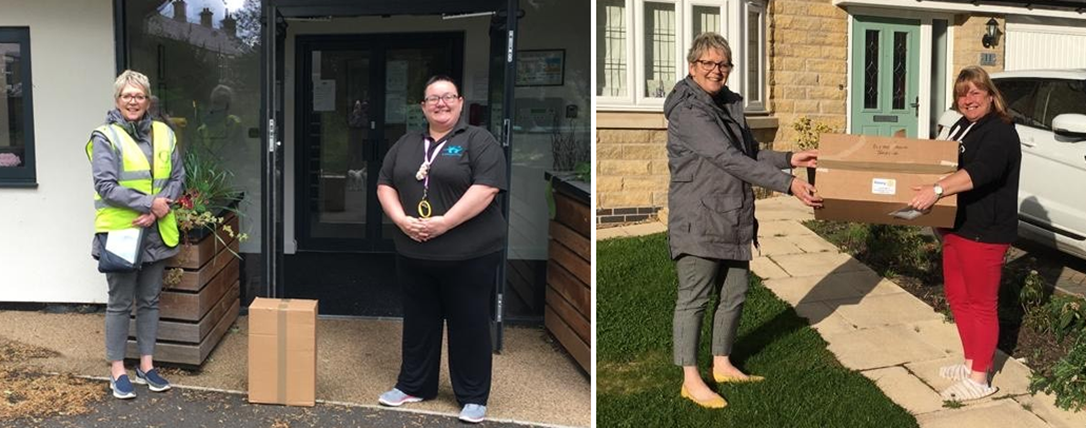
(283, 351)
(863, 178)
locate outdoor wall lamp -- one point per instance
(991, 34)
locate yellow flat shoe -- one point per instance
(719, 378)
(715, 403)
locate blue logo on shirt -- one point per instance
(454, 151)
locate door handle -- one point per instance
(1028, 142)
(916, 106)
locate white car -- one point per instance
(1049, 110)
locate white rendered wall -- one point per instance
(45, 232)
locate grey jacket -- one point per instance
(105, 167)
(714, 160)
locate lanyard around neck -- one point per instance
(427, 159)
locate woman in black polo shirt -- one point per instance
(439, 187)
(987, 223)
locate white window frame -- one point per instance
(630, 64)
(751, 104)
(733, 17)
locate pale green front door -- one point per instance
(885, 79)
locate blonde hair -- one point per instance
(706, 41)
(979, 78)
(133, 78)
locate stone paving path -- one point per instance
(875, 327)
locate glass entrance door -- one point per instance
(358, 95)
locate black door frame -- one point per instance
(379, 44)
(272, 252)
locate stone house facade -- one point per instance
(830, 61)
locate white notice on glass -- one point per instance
(324, 95)
(124, 243)
(883, 186)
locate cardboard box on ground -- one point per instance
(866, 178)
(283, 351)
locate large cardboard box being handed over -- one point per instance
(283, 351)
(870, 179)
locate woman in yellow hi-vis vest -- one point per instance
(137, 173)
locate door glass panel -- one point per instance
(660, 49)
(406, 73)
(901, 49)
(340, 109)
(871, 69)
(706, 19)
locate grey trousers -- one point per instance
(697, 278)
(142, 287)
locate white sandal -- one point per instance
(967, 389)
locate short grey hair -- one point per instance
(133, 78)
(706, 41)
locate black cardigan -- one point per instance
(992, 154)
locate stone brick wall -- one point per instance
(967, 43)
(808, 52)
(631, 167)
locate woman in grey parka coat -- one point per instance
(714, 160)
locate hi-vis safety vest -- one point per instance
(134, 172)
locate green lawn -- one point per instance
(638, 386)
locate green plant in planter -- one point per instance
(203, 206)
(809, 132)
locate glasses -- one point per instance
(709, 65)
(137, 98)
(448, 98)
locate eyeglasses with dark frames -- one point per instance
(448, 98)
(710, 65)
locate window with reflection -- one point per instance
(203, 60)
(16, 109)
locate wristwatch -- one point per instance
(938, 190)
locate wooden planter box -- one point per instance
(567, 315)
(196, 313)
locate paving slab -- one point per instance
(1012, 377)
(884, 310)
(765, 268)
(781, 228)
(940, 334)
(813, 244)
(1044, 406)
(823, 320)
(999, 413)
(881, 347)
(906, 390)
(818, 263)
(782, 207)
(631, 230)
(773, 246)
(817, 288)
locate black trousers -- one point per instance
(456, 292)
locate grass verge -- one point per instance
(638, 386)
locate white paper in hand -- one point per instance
(124, 243)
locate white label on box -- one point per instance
(884, 186)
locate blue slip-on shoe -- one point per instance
(473, 413)
(154, 382)
(396, 398)
(122, 387)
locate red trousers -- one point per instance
(971, 273)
